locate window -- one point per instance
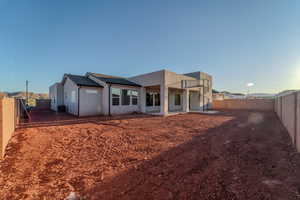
(152, 99)
(157, 99)
(116, 94)
(149, 99)
(125, 97)
(177, 99)
(134, 97)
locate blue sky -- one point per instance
(236, 41)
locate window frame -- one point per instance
(157, 99)
(116, 97)
(177, 98)
(127, 103)
(154, 99)
(134, 97)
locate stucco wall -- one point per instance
(288, 110)
(7, 121)
(172, 106)
(277, 107)
(53, 96)
(245, 104)
(149, 79)
(174, 80)
(56, 94)
(71, 97)
(90, 101)
(104, 95)
(195, 100)
(288, 113)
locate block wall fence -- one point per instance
(245, 104)
(43, 104)
(8, 121)
(287, 109)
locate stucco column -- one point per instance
(143, 99)
(164, 100)
(186, 102)
(201, 96)
(105, 101)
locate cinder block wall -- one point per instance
(7, 122)
(43, 104)
(245, 104)
(288, 114)
(287, 109)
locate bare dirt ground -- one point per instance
(232, 155)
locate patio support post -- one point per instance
(164, 100)
(143, 99)
(186, 102)
(202, 99)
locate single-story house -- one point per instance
(161, 92)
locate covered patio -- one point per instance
(173, 100)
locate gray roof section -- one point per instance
(82, 80)
(114, 80)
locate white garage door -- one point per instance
(90, 101)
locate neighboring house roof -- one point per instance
(82, 80)
(114, 79)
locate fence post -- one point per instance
(296, 118)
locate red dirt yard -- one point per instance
(228, 156)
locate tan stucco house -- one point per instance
(161, 92)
